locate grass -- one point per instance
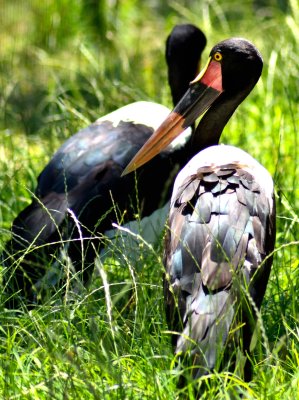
(63, 65)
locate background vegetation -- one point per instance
(63, 64)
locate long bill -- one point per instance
(203, 91)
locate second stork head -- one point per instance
(234, 67)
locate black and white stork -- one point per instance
(80, 191)
(221, 229)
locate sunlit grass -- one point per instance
(58, 73)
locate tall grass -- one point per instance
(62, 65)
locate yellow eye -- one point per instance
(217, 56)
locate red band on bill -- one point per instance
(213, 76)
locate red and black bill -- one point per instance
(203, 91)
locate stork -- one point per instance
(221, 227)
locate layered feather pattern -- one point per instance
(221, 228)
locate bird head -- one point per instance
(233, 68)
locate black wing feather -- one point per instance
(84, 176)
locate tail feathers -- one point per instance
(24, 261)
(207, 323)
(37, 222)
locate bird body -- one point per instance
(220, 222)
(83, 181)
(88, 165)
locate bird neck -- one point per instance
(211, 125)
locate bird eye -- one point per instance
(217, 56)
